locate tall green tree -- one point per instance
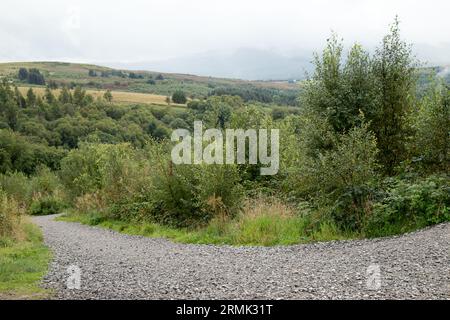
(23, 74)
(31, 98)
(78, 96)
(431, 142)
(21, 102)
(358, 87)
(65, 96)
(395, 81)
(340, 91)
(48, 95)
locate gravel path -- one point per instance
(118, 266)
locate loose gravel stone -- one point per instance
(119, 266)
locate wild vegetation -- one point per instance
(365, 153)
(23, 257)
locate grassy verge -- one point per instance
(22, 265)
(262, 230)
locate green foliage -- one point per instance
(341, 91)
(40, 194)
(410, 205)
(31, 98)
(17, 186)
(431, 142)
(79, 96)
(19, 154)
(394, 71)
(32, 76)
(80, 170)
(69, 119)
(179, 97)
(335, 172)
(65, 96)
(47, 205)
(380, 87)
(23, 74)
(108, 96)
(268, 227)
(186, 195)
(255, 94)
(45, 183)
(135, 188)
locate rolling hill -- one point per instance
(136, 81)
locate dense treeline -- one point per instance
(50, 123)
(264, 95)
(365, 156)
(31, 76)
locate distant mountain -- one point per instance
(245, 63)
(256, 64)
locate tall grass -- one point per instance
(10, 219)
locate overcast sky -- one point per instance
(137, 30)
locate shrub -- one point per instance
(45, 182)
(174, 195)
(46, 205)
(410, 205)
(26, 190)
(218, 190)
(179, 97)
(182, 195)
(349, 211)
(17, 186)
(79, 170)
(339, 177)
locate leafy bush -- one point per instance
(16, 185)
(179, 97)
(80, 172)
(351, 209)
(29, 190)
(186, 195)
(340, 178)
(45, 182)
(410, 205)
(46, 205)
(177, 195)
(218, 190)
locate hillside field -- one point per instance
(118, 96)
(120, 80)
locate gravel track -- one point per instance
(118, 266)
